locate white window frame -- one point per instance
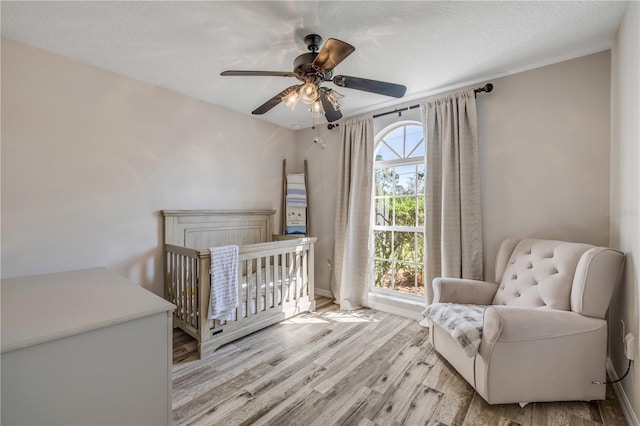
(414, 229)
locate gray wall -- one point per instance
(625, 195)
(544, 154)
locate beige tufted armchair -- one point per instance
(543, 334)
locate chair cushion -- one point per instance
(540, 274)
(463, 322)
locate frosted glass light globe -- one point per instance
(308, 93)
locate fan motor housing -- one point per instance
(303, 64)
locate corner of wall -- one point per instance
(624, 203)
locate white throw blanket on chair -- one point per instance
(223, 299)
(463, 322)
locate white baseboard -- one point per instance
(396, 305)
(323, 293)
(627, 409)
(389, 304)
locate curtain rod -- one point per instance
(486, 88)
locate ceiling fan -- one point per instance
(315, 68)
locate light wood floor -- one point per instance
(337, 368)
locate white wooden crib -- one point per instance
(275, 279)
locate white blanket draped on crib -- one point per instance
(224, 282)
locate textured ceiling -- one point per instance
(428, 46)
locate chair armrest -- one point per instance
(513, 324)
(459, 290)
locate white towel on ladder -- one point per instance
(296, 178)
(223, 299)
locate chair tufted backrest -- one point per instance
(539, 273)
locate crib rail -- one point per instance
(273, 277)
(183, 272)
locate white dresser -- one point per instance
(84, 347)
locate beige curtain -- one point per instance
(453, 229)
(351, 249)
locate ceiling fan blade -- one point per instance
(273, 101)
(373, 86)
(258, 73)
(332, 53)
(330, 113)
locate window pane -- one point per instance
(415, 141)
(405, 209)
(385, 153)
(382, 244)
(404, 246)
(405, 277)
(419, 247)
(383, 212)
(382, 277)
(420, 179)
(418, 151)
(395, 141)
(386, 180)
(414, 132)
(420, 207)
(406, 184)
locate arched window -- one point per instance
(397, 220)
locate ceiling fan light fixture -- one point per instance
(291, 99)
(335, 98)
(316, 109)
(309, 93)
(314, 69)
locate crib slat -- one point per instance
(189, 263)
(298, 275)
(283, 280)
(258, 283)
(196, 320)
(269, 287)
(182, 289)
(167, 278)
(187, 290)
(310, 276)
(204, 295)
(173, 279)
(178, 288)
(274, 280)
(292, 266)
(194, 295)
(172, 282)
(293, 287)
(248, 289)
(305, 273)
(192, 298)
